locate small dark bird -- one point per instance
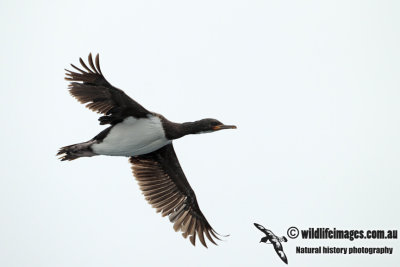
(146, 138)
(274, 240)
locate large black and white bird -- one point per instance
(274, 240)
(146, 138)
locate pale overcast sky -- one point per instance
(313, 86)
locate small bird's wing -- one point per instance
(89, 87)
(262, 229)
(165, 187)
(279, 250)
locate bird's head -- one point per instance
(210, 125)
(264, 239)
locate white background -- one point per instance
(313, 87)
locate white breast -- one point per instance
(133, 137)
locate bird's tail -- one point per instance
(76, 151)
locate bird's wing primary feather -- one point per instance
(279, 250)
(261, 228)
(88, 86)
(166, 188)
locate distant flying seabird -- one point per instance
(274, 240)
(146, 137)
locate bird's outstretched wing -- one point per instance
(262, 228)
(165, 187)
(279, 250)
(89, 87)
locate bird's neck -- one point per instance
(191, 127)
(177, 130)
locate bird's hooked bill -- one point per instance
(222, 127)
